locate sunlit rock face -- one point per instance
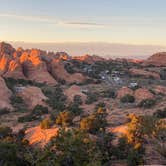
(35, 69)
(158, 59)
(89, 59)
(15, 70)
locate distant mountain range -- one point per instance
(103, 49)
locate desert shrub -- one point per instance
(147, 103)
(127, 99)
(4, 111)
(105, 147)
(109, 94)
(11, 83)
(21, 110)
(75, 109)
(100, 105)
(74, 147)
(160, 113)
(91, 98)
(9, 155)
(163, 74)
(39, 110)
(69, 68)
(16, 100)
(134, 158)
(5, 131)
(45, 124)
(28, 118)
(95, 122)
(77, 99)
(64, 118)
(56, 97)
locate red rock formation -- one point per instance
(36, 69)
(59, 73)
(15, 70)
(158, 59)
(74, 90)
(142, 94)
(6, 49)
(124, 91)
(33, 96)
(144, 73)
(88, 59)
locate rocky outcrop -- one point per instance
(40, 137)
(4, 61)
(144, 73)
(124, 91)
(33, 96)
(89, 59)
(73, 91)
(59, 73)
(5, 95)
(35, 69)
(6, 49)
(142, 94)
(158, 59)
(15, 70)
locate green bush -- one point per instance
(39, 110)
(28, 118)
(77, 100)
(5, 131)
(134, 158)
(56, 97)
(69, 68)
(91, 98)
(74, 147)
(109, 94)
(160, 113)
(74, 109)
(16, 100)
(147, 103)
(127, 99)
(4, 111)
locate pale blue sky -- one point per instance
(114, 21)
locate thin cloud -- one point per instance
(53, 21)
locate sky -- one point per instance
(122, 22)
